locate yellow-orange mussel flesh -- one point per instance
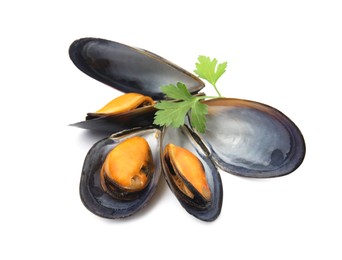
(128, 168)
(187, 172)
(125, 103)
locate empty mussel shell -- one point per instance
(129, 69)
(202, 205)
(97, 193)
(252, 139)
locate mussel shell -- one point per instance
(183, 137)
(141, 117)
(252, 139)
(129, 69)
(95, 198)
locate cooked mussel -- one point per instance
(120, 173)
(186, 172)
(128, 168)
(252, 139)
(190, 174)
(124, 112)
(129, 69)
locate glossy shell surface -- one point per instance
(251, 139)
(129, 69)
(183, 138)
(92, 194)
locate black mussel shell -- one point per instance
(252, 139)
(183, 137)
(101, 202)
(141, 117)
(129, 69)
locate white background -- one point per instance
(287, 54)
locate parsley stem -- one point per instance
(218, 92)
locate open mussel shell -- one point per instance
(129, 69)
(183, 137)
(100, 201)
(141, 117)
(251, 139)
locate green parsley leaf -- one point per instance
(197, 116)
(172, 113)
(207, 69)
(176, 92)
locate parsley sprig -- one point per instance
(173, 112)
(206, 69)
